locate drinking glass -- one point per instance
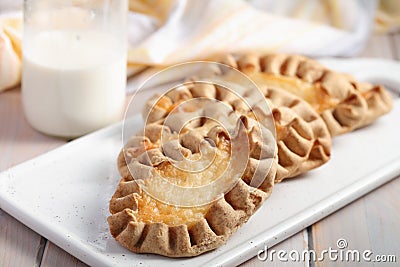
(74, 64)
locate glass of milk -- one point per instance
(74, 64)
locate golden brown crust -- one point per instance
(223, 216)
(222, 219)
(303, 138)
(304, 142)
(351, 104)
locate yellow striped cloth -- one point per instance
(165, 32)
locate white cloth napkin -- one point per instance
(174, 31)
(201, 29)
(10, 50)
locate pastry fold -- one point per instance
(222, 219)
(188, 231)
(195, 119)
(302, 137)
(344, 103)
(304, 142)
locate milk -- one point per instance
(73, 81)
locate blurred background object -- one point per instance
(201, 30)
(388, 16)
(74, 70)
(166, 32)
(342, 14)
(10, 5)
(10, 50)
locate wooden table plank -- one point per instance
(378, 45)
(395, 38)
(18, 140)
(370, 223)
(55, 256)
(383, 218)
(298, 242)
(348, 223)
(19, 245)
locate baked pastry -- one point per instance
(302, 137)
(304, 142)
(341, 101)
(162, 207)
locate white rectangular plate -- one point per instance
(63, 195)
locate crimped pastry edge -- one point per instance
(359, 104)
(223, 218)
(307, 133)
(306, 144)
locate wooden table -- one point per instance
(371, 222)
